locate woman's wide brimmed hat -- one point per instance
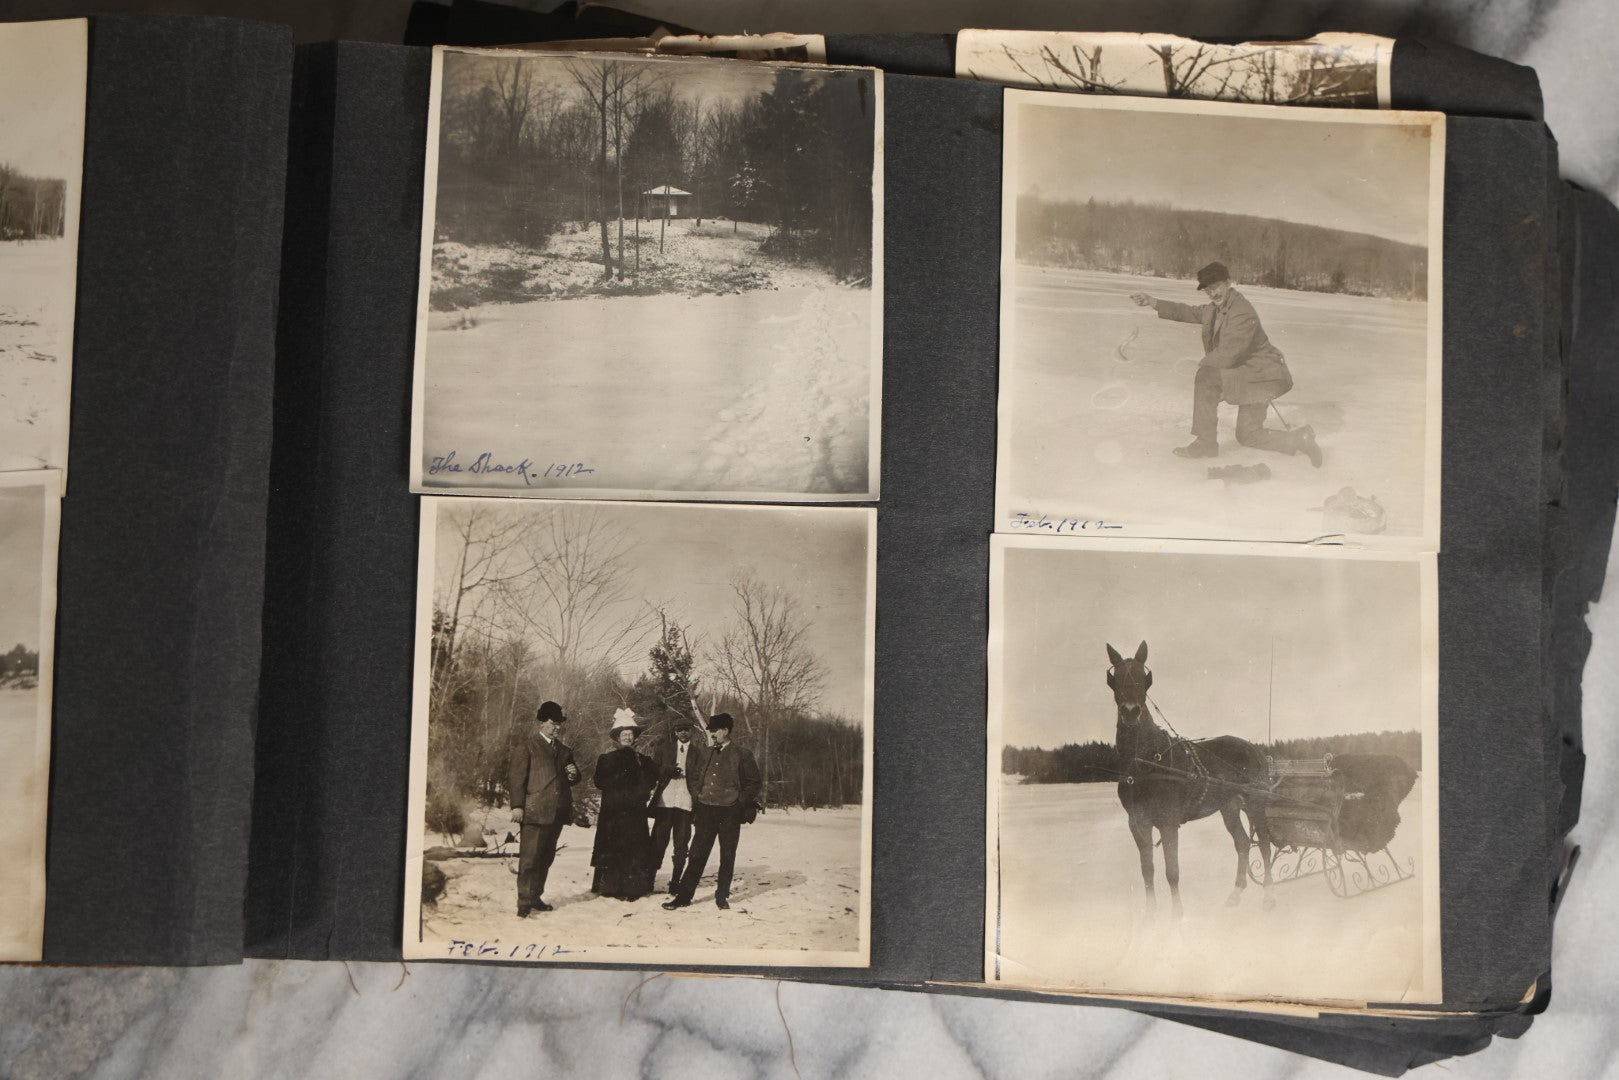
(623, 720)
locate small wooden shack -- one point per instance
(666, 201)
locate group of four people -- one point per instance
(695, 793)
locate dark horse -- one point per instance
(1168, 781)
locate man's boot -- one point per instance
(1304, 443)
(1198, 447)
(674, 882)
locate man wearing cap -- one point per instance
(541, 779)
(671, 802)
(724, 781)
(1239, 366)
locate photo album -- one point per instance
(1102, 518)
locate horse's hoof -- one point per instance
(1234, 899)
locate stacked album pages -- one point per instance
(541, 489)
(42, 99)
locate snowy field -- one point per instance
(765, 389)
(1073, 913)
(1100, 392)
(36, 323)
(797, 888)
(21, 818)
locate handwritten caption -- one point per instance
(1045, 523)
(485, 464)
(494, 950)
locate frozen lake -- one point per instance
(1100, 392)
(1073, 912)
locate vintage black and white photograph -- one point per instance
(1213, 770)
(650, 277)
(1342, 70)
(29, 520)
(43, 69)
(642, 734)
(1220, 321)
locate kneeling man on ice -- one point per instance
(1239, 366)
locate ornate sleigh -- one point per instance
(1335, 817)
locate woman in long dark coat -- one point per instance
(622, 854)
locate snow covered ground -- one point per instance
(761, 392)
(1097, 392)
(36, 323)
(715, 257)
(797, 889)
(1073, 912)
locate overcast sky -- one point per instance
(1346, 634)
(21, 552)
(686, 555)
(1358, 176)
(42, 88)
(710, 80)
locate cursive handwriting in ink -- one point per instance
(1046, 523)
(485, 464)
(477, 950)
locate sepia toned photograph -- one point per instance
(30, 506)
(642, 734)
(650, 277)
(1213, 771)
(43, 68)
(1342, 70)
(1220, 321)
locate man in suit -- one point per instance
(724, 783)
(541, 780)
(1239, 366)
(671, 802)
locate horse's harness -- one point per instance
(1172, 739)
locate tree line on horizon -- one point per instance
(20, 661)
(1158, 240)
(1096, 762)
(31, 207)
(539, 609)
(522, 157)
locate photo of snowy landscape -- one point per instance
(29, 521)
(42, 99)
(1312, 664)
(650, 277)
(1150, 246)
(638, 625)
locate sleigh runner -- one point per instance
(1335, 816)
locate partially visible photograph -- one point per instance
(642, 734)
(650, 277)
(43, 71)
(1213, 771)
(1341, 70)
(30, 508)
(1220, 321)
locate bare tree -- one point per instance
(614, 91)
(1077, 68)
(1185, 67)
(574, 597)
(485, 540)
(764, 659)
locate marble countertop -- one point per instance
(336, 1020)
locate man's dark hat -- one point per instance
(1211, 273)
(550, 710)
(684, 723)
(720, 720)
